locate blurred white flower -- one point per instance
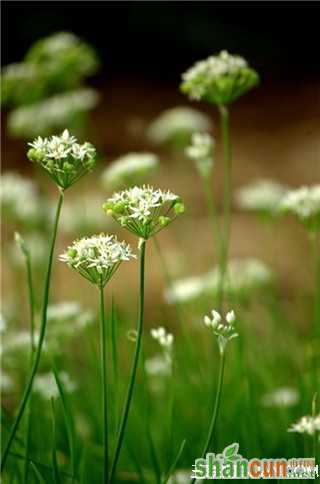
(281, 397)
(70, 312)
(81, 214)
(45, 385)
(243, 276)
(224, 331)
(180, 476)
(306, 425)
(201, 151)
(261, 195)
(176, 125)
(158, 365)
(19, 199)
(52, 114)
(304, 203)
(129, 169)
(164, 338)
(37, 246)
(6, 383)
(18, 340)
(97, 257)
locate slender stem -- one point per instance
(103, 363)
(212, 212)
(36, 360)
(227, 201)
(316, 264)
(126, 409)
(32, 351)
(215, 410)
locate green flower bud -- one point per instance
(164, 221)
(72, 253)
(179, 208)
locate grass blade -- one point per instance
(56, 476)
(37, 474)
(68, 420)
(175, 462)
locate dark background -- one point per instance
(161, 39)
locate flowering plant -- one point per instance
(224, 331)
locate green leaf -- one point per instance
(231, 450)
(56, 476)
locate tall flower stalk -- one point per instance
(224, 333)
(97, 258)
(65, 161)
(220, 80)
(143, 211)
(27, 256)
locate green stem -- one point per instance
(227, 201)
(36, 360)
(316, 263)
(32, 343)
(212, 212)
(215, 411)
(103, 363)
(126, 409)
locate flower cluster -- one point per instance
(20, 84)
(219, 79)
(80, 215)
(65, 160)
(224, 331)
(262, 196)
(164, 339)
(97, 258)
(201, 152)
(19, 199)
(306, 425)
(304, 203)
(52, 114)
(175, 126)
(144, 210)
(129, 169)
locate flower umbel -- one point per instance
(201, 151)
(224, 331)
(144, 210)
(219, 79)
(165, 339)
(63, 157)
(97, 257)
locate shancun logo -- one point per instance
(231, 465)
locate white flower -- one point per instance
(177, 124)
(261, 196)
(45, 385)
(281, 397)
(19, 199)
(143, 210)
(64, 159)
(306, 425)
(67, 318)
(51, 115)
(19, 340)
(36, 244)
(180, 477)
(97, 257)
(129, 169)
(224, 331)
(164, 338)
(304, 203)
(80, 215)
(201, 152)
(219, 79)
